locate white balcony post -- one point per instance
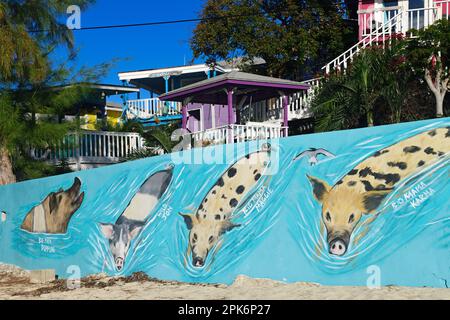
(405, 16)
(439, 10)
(230, 114)
(285, 114)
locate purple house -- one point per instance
(203, 116)
(223, 99)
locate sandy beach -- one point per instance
(15, 284)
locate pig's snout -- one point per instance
(119, 263)
(198, 262)
(337, 247)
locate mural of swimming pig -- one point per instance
(133, 219)
(213, 217)
(363, 189)
(53, 214)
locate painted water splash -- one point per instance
(281, 234)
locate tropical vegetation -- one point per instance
(295, 38)
(388, 84)
(31, 114)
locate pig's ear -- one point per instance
(373, 199)
(107, 230)
(78, 201)
(228, 226)
(188, 219)
(135, 231)
(320, 188)
(52, 202)
(76, 182)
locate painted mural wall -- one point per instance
(331, 208)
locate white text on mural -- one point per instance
(46, 245)
(259, 201)
(415, 197)
(165, 212)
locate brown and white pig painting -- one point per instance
(213, 217)
(54, 213)
(363, 189)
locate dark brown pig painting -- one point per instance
(53, 214)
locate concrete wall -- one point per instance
(372, 208)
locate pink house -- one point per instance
(381, 20)
(372, 14)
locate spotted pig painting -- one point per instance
(364, 188)
(213, 217)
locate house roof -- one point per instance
(242, 83)
(221, 66)
(107, 89)
(153, 79)
(161, 72)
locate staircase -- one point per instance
(395, 22)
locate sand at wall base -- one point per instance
(14, 284)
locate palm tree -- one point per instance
(159, 137)
(349, 99)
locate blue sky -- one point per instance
(143, 47)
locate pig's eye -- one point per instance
(211, 239)
(351, 218)
(194, 238)
(328, 217)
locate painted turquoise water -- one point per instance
(280, 235)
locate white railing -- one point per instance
(371, 20)
(443, 11)
(384, 24)
(149, 108)
(94, 147)
(391, 27)
(236, 133)
(298, 107)
(418, 19)
(377, 26)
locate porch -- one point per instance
(152, 110)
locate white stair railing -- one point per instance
(149, 108)
(402, 23)
(382, 33)
(377, 26)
